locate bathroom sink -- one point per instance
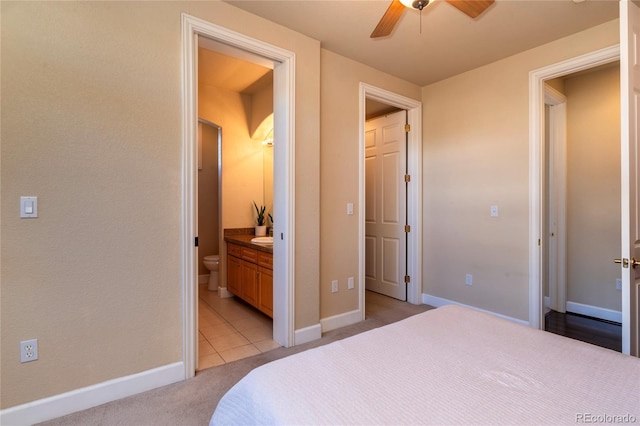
(262, 240)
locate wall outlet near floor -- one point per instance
(350, 283)
(468, 279)
(619, 284)
(29, 350)
(334, 286)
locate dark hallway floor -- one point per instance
(591, 330)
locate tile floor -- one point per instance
(229, 330)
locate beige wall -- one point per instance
(593, 188)
(91, 124)
(340, 79)
(476, 154)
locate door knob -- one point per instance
(625, 262)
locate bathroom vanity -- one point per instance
(250, 271)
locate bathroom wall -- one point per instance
(208, 206)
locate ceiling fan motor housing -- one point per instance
(420, 4)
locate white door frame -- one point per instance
(284, 179)
(414, 196)
(557, 198)
(536, 165)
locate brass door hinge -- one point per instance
(407, 228)
(407, 279)
(407, 128)
(407, 178)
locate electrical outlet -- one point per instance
(493, 211)
(350, 283)
(618, 283)
(334, 286)
(468, 279)
(29, 350)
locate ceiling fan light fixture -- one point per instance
(415, 4)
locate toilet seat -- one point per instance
(212, 257)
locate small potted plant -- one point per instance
(261, 227)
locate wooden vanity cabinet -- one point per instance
(234, 274)
(250, 276)
(249, 285)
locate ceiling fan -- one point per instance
(472, 8)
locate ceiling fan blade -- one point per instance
(473, 8)
(389, 19)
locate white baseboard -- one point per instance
(307, 334)
(341, 320)
(91, 396)
(594, 311)
(224, 293)
(439, 301)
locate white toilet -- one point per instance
(212, 262)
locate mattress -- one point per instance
(451, 365)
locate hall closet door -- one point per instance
(386, 205)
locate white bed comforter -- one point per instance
(451, 365)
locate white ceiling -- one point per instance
(449, 43)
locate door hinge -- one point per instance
(196, 241)
(407, 279)
(407, 178)
(407, 228)
(407, 128)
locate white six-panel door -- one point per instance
(385, 205)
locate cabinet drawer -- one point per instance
(265, 259)
(250, 255)
(234, 250)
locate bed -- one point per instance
(450, 365)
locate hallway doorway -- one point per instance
(582, 221)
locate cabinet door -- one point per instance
(265, 291)
(234, 275)
(249, 281)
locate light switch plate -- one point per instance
(350, 209)
(28, 207)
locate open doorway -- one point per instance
(538, 236)
(377, 101)
(283, 180)
(582, 215)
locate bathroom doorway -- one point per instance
(283, 63)
(235, 90)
